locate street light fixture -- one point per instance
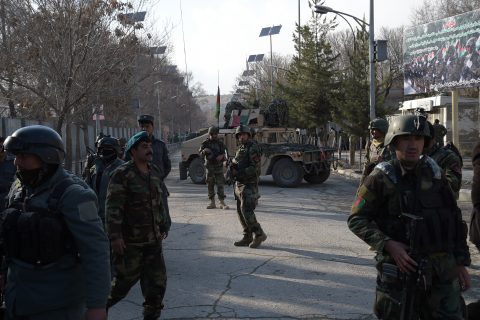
(324, 10)
(158, 109)
(270, 31)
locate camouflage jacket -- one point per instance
(390, 190)
(376, 152)
(216, 148)
(134, 208)
(450, 164)
(247, 159)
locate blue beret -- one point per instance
(136, 139)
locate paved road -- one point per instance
(310, 267)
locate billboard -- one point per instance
(442, 55)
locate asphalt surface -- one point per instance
(310, 267)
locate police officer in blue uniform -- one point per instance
(52, 238)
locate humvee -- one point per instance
(284, 156)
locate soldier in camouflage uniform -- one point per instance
(213, 150)
(376, 151)
(448, 160)
(137, 223)
(245, 170)
(413, 184)
(160, 154)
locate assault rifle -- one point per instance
(231, 166)
(414, 282)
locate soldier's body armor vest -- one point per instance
(36, 236)
(441, 228)
(215, 147)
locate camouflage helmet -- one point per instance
(242, 129)
(379, 124)
(39, 140)
(213, 130)
(408, 125)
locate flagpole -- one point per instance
(218, 84)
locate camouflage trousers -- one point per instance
(214, 176)
(144, 263)
(246, 197)
(441, 300)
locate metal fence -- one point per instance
(80, 138)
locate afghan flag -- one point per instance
(217, 108)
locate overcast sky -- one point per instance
(221, 34)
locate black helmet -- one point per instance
(41, 141)
(109, 143)
(242, 129)
(408, 125)
(213, 130)
(379, 124)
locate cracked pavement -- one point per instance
(310, 267)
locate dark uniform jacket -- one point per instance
(390, 191)
(7, 176)
(74, 278)
(160, 157)
(98, 180)
(134, 208)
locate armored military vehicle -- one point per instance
(285, 155)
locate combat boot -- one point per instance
(223, 205)
(245, 241)
(259, 238)
(212, 204)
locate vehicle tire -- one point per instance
(321, 177)
(196, 170)
(287, 174)
(183, 170)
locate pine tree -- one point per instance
(311, 79)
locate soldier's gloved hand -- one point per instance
(164, 235)
(118, 246)
(398, 251)
(96, 314)
(219, 158)
(207, 151)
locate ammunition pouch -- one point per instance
(38, 238)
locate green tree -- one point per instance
(311, 79)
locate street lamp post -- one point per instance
(158, 109)
(270, 31)
(371, 45)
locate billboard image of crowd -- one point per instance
(442, 55)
